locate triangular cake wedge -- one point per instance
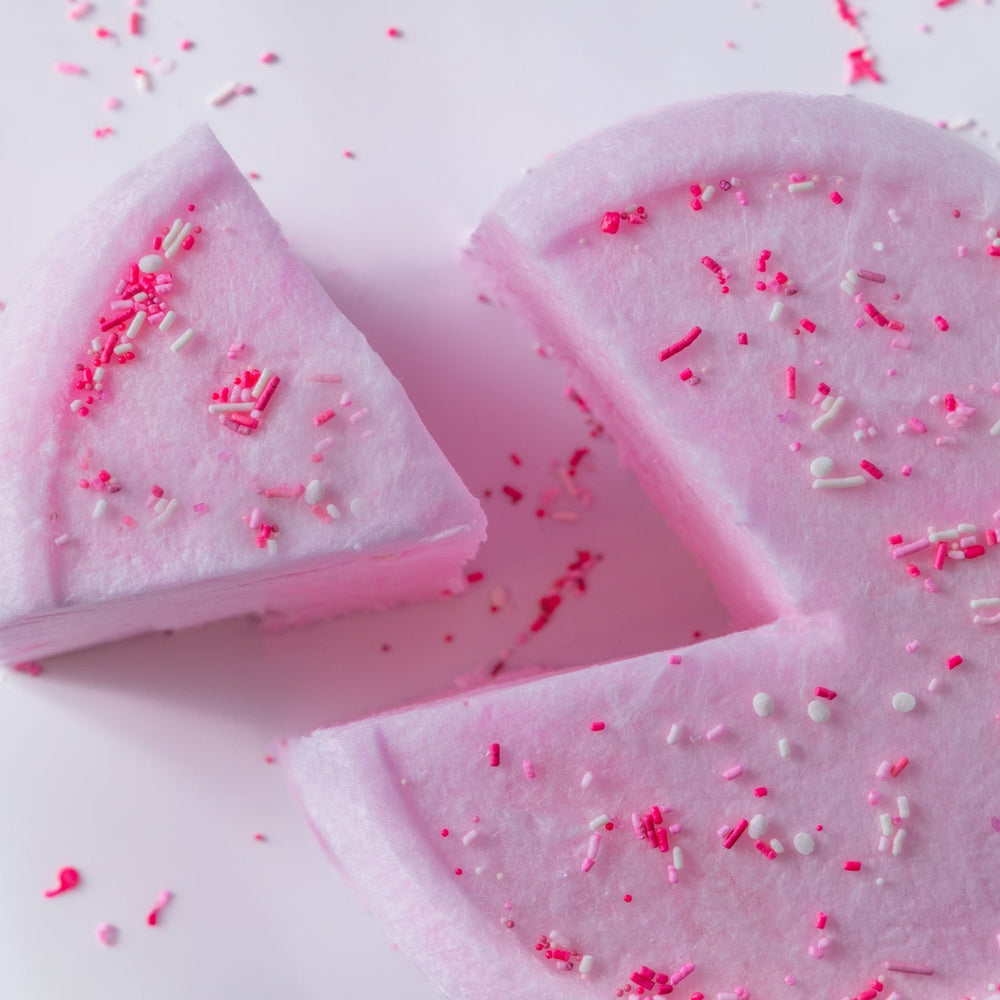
(784, 310)
(194, 431)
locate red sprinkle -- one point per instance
(515, 495)
(610, 223)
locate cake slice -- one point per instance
(783, 308)
(194, 431)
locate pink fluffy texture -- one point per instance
(913, 796)
(75, 571)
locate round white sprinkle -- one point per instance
(821, 466)
(151, 263)
(763, 704)
(314, 492)
(758, 826)
(819, 710)
(903, 701)
(804, 844)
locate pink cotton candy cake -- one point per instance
(784, 309)
(194, 431)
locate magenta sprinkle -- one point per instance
(735, 834)
(686, 341)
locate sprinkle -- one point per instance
(69, 878)
(897, 769)
(852, 866)
(819, 710)
(799, 186)
(838, 484)
(183, 339)
(954, 661)
(903, 701)
(29, 667)
(822, 692)
(106, 934)
(829, 413)
(942, 323)
(494, 755)
(733, 772)
(322, 418)
(906, 967)
(784, 747)
(873, 470)
(790, 382)
(741, 339)
(674, 735)
(686, 341)
(168, 320)
(596, 727)
(776, 310)
(900, 551)
(314, 492)
(804, 843)
(763, 704)
(735, 834)
(820, 920)
(153, 917)
(610, 222)
(61, 539)
(69, 69)
(327, 379)
(715, 732)
(222, 96)
(836, 197)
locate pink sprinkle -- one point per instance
(742, 198)
(153, 917)
(741, 339)
(954, 661)
(112, 103)
(494, 756)
(918, 425)
(836, 197)
(874, 313)
(596, 727)
(349, 154)
(790, 382)
(322, 418)
(106, 934)
(907, 967)
(733, 772)
(529, 769)
(875, 276)
(906, 471)
(942, 323)
(685, 375)
(69, 878)
(135, 23)
(808, 325)
(69, 69)
(760, 792)
(873, 470)
(931, 587)
(79, 10)
(913, 570)
(852, 866)
(822, 692)
(940, 555)
(393, 32)
(895, 539)
(610, 223)
(268, 57)
(29, 667)
(897, 769)
(686, 341)
(860, 66)
(820, 920)
(766, 849)
(735, 834)
(674, 660)
(185, 45)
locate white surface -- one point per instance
(142, 763)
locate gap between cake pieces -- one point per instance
(199, 433)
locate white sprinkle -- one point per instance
(708, 193)
(804, 843)
(314, 492)
(140, 297)
(96, 344)
(151, 263)
(124, 347)
(897, 843)
(230, 407)
(165, 516)
(98, 374)
(160, 505)
(222, 96)
(272, 546)
(847, 287)
(346, 399)
(878, 245)
(76, 404)
(903, 807)
(358, 508)
(715, 732)
(120, 305)
(142, 81)
(777, 846)
(678, 855)
(586, 964)
(135, 326)
(99, 508)
(821, 467)
(61, 539)
(829, 413)
(758, 826)
(799, 186)
(950, 535)
(261, 382)
(674, 735)
(333, 511)
(598, 821)
(358, 415)
(324, 444)
(763, 704)
(894, 215)
(885, 822)
(183, 339)
(171, 251)
(168, 320)
(903, 701)
(784, 747)
(776, 310)
(846, 482)
(984, 602)
(586, 781)
(470, 837)
(965, 528)
(883, 844)
(175, 228)
(819, 710)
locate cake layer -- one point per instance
(203, 433)
(781, 307)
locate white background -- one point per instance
(143, 763)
